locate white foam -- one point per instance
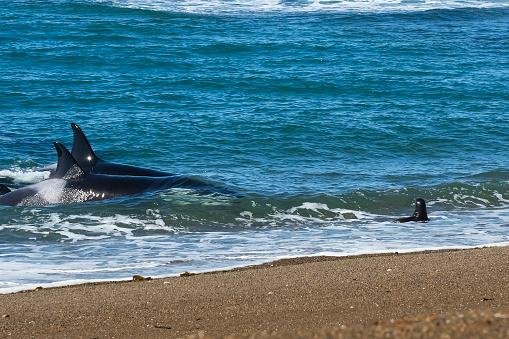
(24, 176)
(247, 6)
(321, 213)
(500, 197)
(111, 246)
(27, 287)
(78, 228)
(12, 287)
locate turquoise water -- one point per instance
(328, 117)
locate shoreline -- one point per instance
(278, 261)
(309, 295)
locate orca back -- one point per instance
(90, 163)
(110, 168)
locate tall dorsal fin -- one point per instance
(4, 189)
(81, 149)
(67, 167)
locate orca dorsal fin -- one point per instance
(67, 167)
(81, 149)
(4, 189)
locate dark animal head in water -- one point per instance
(420, 213)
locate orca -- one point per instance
(71, 183)
(420, 213)
(87, 159)
(85, 156)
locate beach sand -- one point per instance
(449, 294)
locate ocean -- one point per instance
(327, 118)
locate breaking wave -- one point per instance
(166, 233)
(247, 6)
(17, 177)
(183, 210)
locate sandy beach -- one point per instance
(453, 293)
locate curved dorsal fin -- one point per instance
(67, 167)
(81, 149)
(4, 189)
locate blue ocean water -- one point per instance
(327, 117)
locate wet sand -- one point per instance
(454, 293)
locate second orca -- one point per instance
(86, 158)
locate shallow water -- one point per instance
(327, 117)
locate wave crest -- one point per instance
(247, 6)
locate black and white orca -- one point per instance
(86, 158)
(72, 183)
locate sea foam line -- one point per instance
(250, 6)
(71, 282)
(25, 176)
